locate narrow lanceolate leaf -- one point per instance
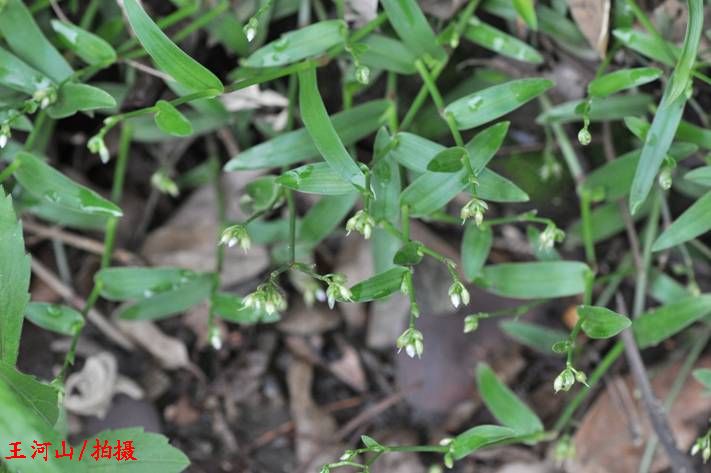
(647, 45)
(526, 10)
(299, 44)
(695, 221)
(534, 336)
(411, 25)
(599, 322)
(323, 133)
(623, 79)
(153, 452)
(14, 280)
(684, 67)
(489, 104)
(476, 244)
(45, 182)
(41, 399)
(614, 107)
(448, 160)
(53, 317)
(703, 376)
(379, 286)
(167, 56)
(26, 40)
(388, 54)
(496, 40)
(89, 47)
(409, 254)
(296, 146)
(700, 176)
(317, 178)
(666, 321)
(173, 301)
(133, 283)
(385, 181)
(506, 407)
(536, 280)
(73, 98)
(170, 120)
(15, 74)
(656, 145)
(479, 437)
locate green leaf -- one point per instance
(261, 194)
(152, 451)
(47, 183)
(90, 48)
(479, 437)
(663, 322)
(133, 283)
(295, 146)
(26, 40)
(692, 223)
(411, 25)
(527, 12)
(73, 98)
(409, 254)
(318, 178)
(17, 75)
(533, 336)
(323, 133)
(324, 217)
(614, 107)
(170, 302)
(647, 45)
(684, 67)
(703, 376)
(701, 175)
(496, 40)
(664, 288)
(617, 81)
(387, 54)
(41, 399)
(299, 44)
(231, 308)
(506, 407)
(57, 318)
(448, 160)
(544, 279)
(491, 103)
(476, 244)
(14, 280)
(599, 322)
(379, 286)
(167, 56)
(385, 182)
(170, 120)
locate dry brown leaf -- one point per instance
(593, 19)
(170, 352)
(348, 368)
(355, 261)
(182, 413)
(360, 12)
(314, 428)
(614, 432)
(188, 239)
(305, 321)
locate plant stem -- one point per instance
(292, 225)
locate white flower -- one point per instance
(361, 222)
(412, 341)
(549, 237)
(564, 381)
(267, 296)
(471, 323)
(337, 289)
(97, 146)
(215, 337)
(458, 294)
(235, 234)
(163, 183)
(475, 209)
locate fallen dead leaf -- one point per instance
(360, 12)
(90, 391)
(303, 320)
(348, 368)
(188, 239)
(314, 428)
(182, 413)
(355, 261)
(170, 352)
(593, 19)
(614, 432)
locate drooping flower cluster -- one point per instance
(474, 209)
(236, 234)
(164, 184)
(550, 236)
(567, 378)
(458, 294)
(268, 297)
(337, 290)
(412, 341)
(703, 445)
(362, 222)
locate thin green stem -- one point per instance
(649, 236)
(587, 229)
(292, 224)
(7, 172)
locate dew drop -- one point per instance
(51, 196)
(148, 293)
(281, 44)
(497, 44)
(54, 311)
